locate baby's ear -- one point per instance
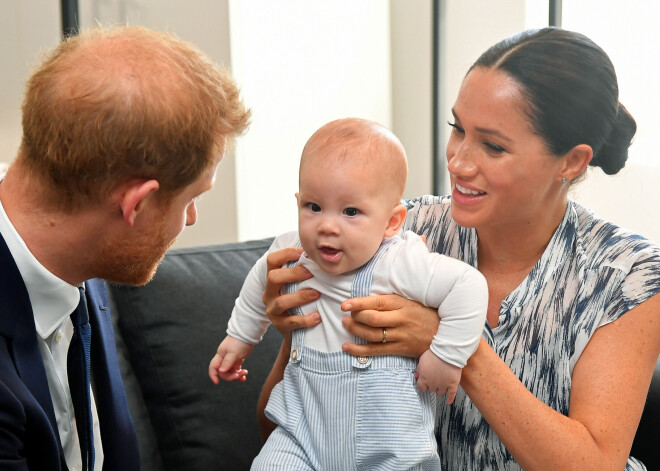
(397, 218)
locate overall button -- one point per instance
(362, 360)
(294, 354)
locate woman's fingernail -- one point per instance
(317, 317)
(347, 306)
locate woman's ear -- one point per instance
(397, 217)
(132, 198)
(576, 161)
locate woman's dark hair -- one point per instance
(571, 92)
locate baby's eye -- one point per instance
(314, 207)
(351, 212)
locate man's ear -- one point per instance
(576, 160)
(397, 217)
(132, 198)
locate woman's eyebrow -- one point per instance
(493, 132)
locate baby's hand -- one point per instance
(228, 361)
(434, 374)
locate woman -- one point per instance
(561, 374)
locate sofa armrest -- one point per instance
(171, 328)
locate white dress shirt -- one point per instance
(53, 300)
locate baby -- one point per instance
(333, 410)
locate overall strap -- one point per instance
(298, 335)
(365, 274)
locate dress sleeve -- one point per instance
(641, 282)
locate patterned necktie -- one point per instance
(78, 367)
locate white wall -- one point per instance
(411, 28)
(26, 28)
(631, 198)
(300, 63)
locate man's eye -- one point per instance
(314, 207)
(351, 212)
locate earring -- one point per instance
(563, 180)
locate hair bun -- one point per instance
(613, 154)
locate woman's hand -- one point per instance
(408, 326)
(277, 305)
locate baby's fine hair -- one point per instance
(360, 142)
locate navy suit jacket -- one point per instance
(29, 439)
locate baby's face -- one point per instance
(343, 213)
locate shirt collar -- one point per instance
(52, 298)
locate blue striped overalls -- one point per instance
(339, 412)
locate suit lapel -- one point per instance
(17, 325)
(119, 439)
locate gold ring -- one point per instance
(384, 335)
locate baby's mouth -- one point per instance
(330, 254)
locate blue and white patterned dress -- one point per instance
(591, 273)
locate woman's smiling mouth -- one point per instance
(467, 191)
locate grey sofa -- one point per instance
(167, 332)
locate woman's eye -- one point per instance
(314, 207)
(494, 148)
(456, 127)
(351, 212)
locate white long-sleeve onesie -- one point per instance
(407, 268)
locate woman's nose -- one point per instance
(461, 159)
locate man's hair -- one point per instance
(114, 104)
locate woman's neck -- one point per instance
(508, 253)
(510, 248)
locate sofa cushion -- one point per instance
(172, 327)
